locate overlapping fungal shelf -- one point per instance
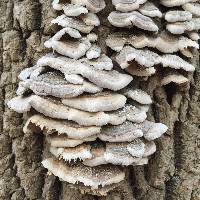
(142, 48)
(94, 120)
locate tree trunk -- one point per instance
(173, 171)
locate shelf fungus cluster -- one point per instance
(146, 39)
(93, 118)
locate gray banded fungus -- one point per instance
(174, 78)
(130, 19)
(26, 73)
(136, 148)
(187, 53)
(55, 109)
(69, 48)
(94, 6)
(71, 10)
(152, 130)
(149, 9)
(93, 52)
(90, 19)
(112, 153)
(176, 62)
(77, 24)
(81, 100)
(98, 102)
(193, 35)
(81, 152)
(144, 58)
(142, 107)
(136, 70)
(150, 148)
(164, 42)
(92, 37)
(125, 132)
(20, 104)
(127, 5)
(57, 5)
(62, 141)
(173, 3)
(73, 173)
(178, 16)
(181, 27)
(103, 62)
(112, 80)
(65, 31)
(193, 8)
(133, 113)
(147, 58)
(119, 154)
(55, 85)
(61, 127)
(97, 157)
(137, 95)
(128, 112)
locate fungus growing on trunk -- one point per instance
(149, 9)
(193, 8)
(61, 127)
(164, 42)
(98, 102)
(127, 5)
(178, 16)
(174, 3)
(174, 78)
(181, 27)
(75, 173)
(130, 19)
(91, 111)
(147, 58)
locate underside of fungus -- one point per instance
(87, 104)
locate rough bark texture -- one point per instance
(173, 172)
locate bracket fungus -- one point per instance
(61, 127)
(112, 79)
(127, 5)
(130, 19)
(149, 9)
(72, 49)
(93, 52)
(62, 141)
(138, 95)
(90, 19)
(181, 27)
(85, 100)
(178, 16)
(164, 42)
(193, 8)
(147, 58)
(193, 35)
(174, 78)
(77, 24)
(54, 84)
(97, 102)
(174, 3)
(94, 6)
(93, 177)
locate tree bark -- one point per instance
(173, 171)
